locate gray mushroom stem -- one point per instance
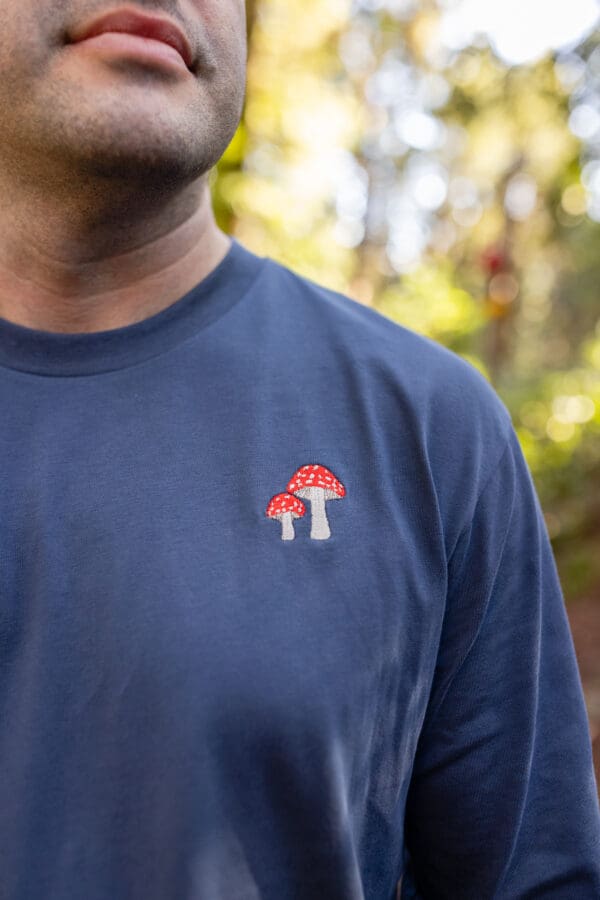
(319, 528)
(287, 527)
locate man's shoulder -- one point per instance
(433, 379)
(417, 402)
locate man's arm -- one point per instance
(503, 801)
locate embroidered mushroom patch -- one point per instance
(313, 483)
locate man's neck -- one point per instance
(68, 269)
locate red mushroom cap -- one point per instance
(285, 503)
(316, 476)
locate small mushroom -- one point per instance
(317, 484)
(285, 508)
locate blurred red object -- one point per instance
(494, 260)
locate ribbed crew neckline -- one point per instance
(53, 353)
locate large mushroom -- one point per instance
(285, 508)
(317, 484)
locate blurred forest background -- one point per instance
(439, 160)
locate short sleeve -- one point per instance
(503, 801)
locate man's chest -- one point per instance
(189, 582)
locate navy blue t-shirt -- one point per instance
(279, 615)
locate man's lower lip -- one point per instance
(118, 43)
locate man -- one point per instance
(280, 617)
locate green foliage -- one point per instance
(429, 301)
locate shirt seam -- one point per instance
(434, 712)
